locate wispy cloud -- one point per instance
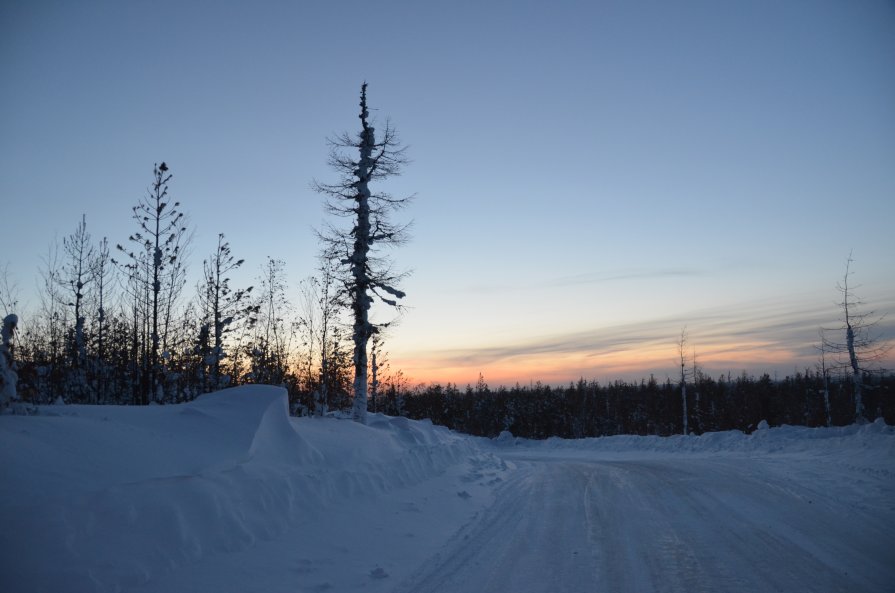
(629, 274)
(589, 278)
(753, 336)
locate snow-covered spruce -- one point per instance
(8, 377)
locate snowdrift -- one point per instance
(877, 436)
(104, 498)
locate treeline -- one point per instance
(589, 409)
(118, 323)
(217, 337)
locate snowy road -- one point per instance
(669, 524)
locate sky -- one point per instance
(590, 178)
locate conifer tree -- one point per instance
(102, 276)
(77, 275)
(153, 265)
(222, 308)
(8, 377)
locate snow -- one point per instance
(230, 494)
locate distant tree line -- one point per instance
(589, 409)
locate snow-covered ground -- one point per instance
(230, 494)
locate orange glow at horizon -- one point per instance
(629, 364)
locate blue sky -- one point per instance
(590, 176)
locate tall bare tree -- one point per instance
(682, 351)
(362, 160)
(862, 347)
(824, 369)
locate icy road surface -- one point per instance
(670, 524)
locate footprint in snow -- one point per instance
(464, 494)
(378, 573)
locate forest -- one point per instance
(589, 409)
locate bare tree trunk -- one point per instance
(682, 344)
(374, 383)
(856, 378)
(361, 301)
(826, 379)
(851, 348)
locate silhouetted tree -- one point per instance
(682, 351)
(270, 346)
(155, 265)
(320, 326)
(8, 376)
(222, 308)
(50, 331)
(76, 276)
(824, 369)
(365, 275)
(102, 274)
(861, 348)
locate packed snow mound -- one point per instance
(105, 498)
(97, 446)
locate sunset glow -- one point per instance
(631, 363)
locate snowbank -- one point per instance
(857, 463)
(877, 436)
(105, 498)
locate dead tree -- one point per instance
(682, 351)
(862, 347)
(824, 370)
(361, 161)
